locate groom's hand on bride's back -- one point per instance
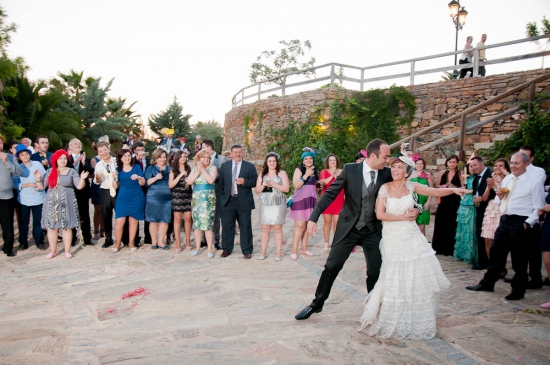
(311, 228)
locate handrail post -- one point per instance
(476, 62)
(462, 144)
(242, 97)
(362, 78)
(413, 144)
(412, 72)
(531, 98)
(283, 93)
(259, 90)
(332, 75)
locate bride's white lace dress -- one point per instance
(403, 303)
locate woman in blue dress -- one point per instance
(465, 238)
(158, 210)
(130, 200)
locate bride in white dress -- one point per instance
(403, 303)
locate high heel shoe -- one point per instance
(326, 247)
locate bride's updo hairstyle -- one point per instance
(409, 170)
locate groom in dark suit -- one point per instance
(357, 224)
(236, 179)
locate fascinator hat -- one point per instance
(308, 151)
(105, 139)
(408, 162)
(274, 154)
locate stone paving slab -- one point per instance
(236, 311)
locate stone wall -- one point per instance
(434, 103)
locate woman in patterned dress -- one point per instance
(181, 197)
(424, 178)
(60, 210)
(203, 204)
(305, 180)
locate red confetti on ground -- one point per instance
(139, 291)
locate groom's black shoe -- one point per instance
(480, 287)
(307, 312)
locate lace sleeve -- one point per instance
(382, 195)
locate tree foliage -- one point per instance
(290, 58)
(350, 126)
(171, 118)
(208, 130)
(534, 131)
(532, 30)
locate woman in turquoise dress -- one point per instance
(465, 238)
(424, 178)
(203, 202)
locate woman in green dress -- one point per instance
(465, 238)
(422, 177)
(203, 201)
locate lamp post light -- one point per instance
(458, 15)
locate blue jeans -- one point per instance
(36, 226)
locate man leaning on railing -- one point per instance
(482, 58)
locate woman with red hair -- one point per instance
(60, 210)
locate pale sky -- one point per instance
(201, 51)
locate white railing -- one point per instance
(263, 87)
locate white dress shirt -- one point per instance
(366, 173)
(525, 198)
(537, 173)
(106, 178)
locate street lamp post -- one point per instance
(458, 15)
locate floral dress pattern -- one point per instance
(60, 209)
(203, 203)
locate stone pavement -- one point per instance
(233, 311)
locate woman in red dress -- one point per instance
(327, 177)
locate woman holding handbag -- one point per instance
(305, 180)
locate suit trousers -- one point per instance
(510, 236)
(482, 259)
(107, 203)
(83, 201)
(370, 241)
(535, 255)
(230, 213)
(6, 222)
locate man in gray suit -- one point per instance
(357, 224)
(217, 161)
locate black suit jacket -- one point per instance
(86, 166)
(480, 188)
(225, 183)
(350, 180)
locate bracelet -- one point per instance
(302, 178)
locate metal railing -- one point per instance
(462, 116)
(258, 91)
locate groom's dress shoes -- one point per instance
(307, 312)
(480, 287)
(514, 296)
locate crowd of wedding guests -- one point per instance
(214, 198)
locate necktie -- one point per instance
(371, 185)
(504, 202)
(234, 175)
(141, 164)
(476, 184)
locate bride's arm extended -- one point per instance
(383, 216)
(425, 190)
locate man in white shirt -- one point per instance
(521, 196)
(105, 174)
(534, 237)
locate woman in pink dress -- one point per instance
(492, 212)
(326, 178)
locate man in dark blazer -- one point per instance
(481, 173)
(79, 162)
(357, 224)
(236, 179)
